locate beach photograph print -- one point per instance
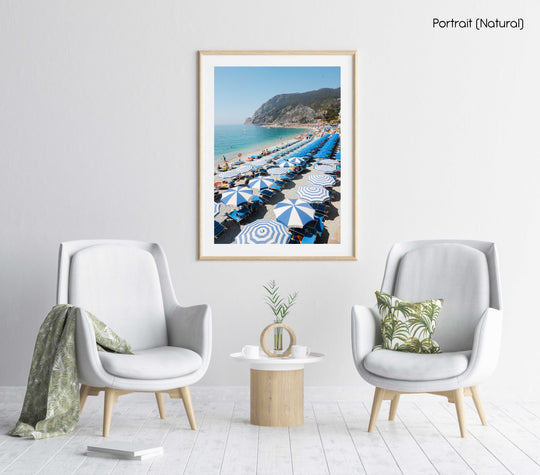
(276, 160)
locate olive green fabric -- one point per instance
(51, 405)
(408, 326)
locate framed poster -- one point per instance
(277, 155)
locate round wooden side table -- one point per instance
(277, 389)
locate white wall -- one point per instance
(98, 124)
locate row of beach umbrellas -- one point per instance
(242, 194)
(311, 147)
(259, 163)
(236, 171)
(290, 213)
(328, 147)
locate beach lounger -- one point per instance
(219, 229)
(267, 193)
(234, 215)
(257, 200)
(309, 238)
(237, 215)
(276, 187)
(315, 228)
(247, 210)
(320, 208)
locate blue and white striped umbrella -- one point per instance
(294, 213)
(261, 182)
(243, 169)
(296, 161)
(217, 207)
(329, 161)
(237, 195)
(325, 168)
(286, 164)
(260, 162)
(313, 193)
(263, 231)
(277, 171)
(321, 179)
(229, 173)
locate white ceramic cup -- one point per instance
(299, 351)
(250, 351)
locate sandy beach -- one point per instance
(332, 222)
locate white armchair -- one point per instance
(127, 285)
(466, 275)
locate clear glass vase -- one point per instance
(278, 340)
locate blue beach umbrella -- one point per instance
(313, 193)
(325, 168)
(217, 207)
(263, 231)
(321, 179)
(243, 169)
(237, 195)
(294, 213)
(261, 162)
(261, 182)
(229, 174)
(296, 161)
(277, 171)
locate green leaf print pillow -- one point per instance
(408, 326)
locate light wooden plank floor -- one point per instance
(424, 438)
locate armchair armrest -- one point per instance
(486, 347)
(191, 327)
(365, 331)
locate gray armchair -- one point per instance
(127, 285)
(466, 275)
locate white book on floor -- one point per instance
(109, 455)
(125, 449)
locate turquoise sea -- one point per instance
(229, 140)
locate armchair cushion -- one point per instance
(163, 362)
(416, 366)
(408, 326)
(121, 285)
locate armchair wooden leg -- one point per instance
(393, 407)
(83, 395)
(460, 410)
(186, 398)
(478, 403)
(375, 408)
(107, 413)
(161, 405)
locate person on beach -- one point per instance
(225, 164)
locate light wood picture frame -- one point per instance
(277, 155)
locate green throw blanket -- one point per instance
(51, 405)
